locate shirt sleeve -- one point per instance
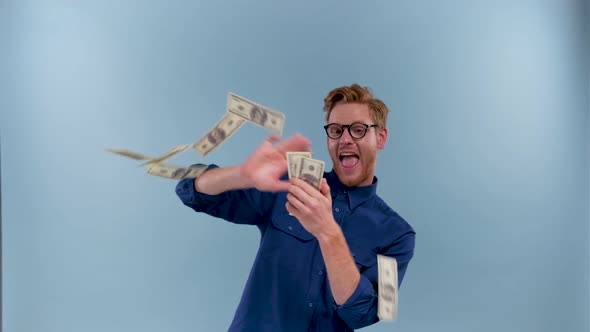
(360, 310)
(248, 206)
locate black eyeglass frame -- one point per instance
(347, 127)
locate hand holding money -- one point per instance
(312, 207)
(295, 163)
(309, 198)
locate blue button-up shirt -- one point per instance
(288, 289)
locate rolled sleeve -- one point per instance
(248, 206)
(360, 310)
(185, 190)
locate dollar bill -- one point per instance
(311, 171)
(130, 154)
(140, 156)
(169, 154)
(223, 130)
(176, 172)
(294, 160)
(387, 288)
(256, 113)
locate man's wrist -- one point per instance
(330, 234)
(244, 177)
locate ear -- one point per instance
(381, 138)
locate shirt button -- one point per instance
(321, 272)
(290, 228)
(336, 209)
(310, 304)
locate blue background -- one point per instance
(487, 158)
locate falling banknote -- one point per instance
(256, 113)
(387, 288)
(239, 110)
(130, 154)
(176, 172)
(223, 130)
(151, 160)
(172, 152)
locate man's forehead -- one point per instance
(350, 112)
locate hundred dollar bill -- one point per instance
(130, 154)
(294, 160)
(172, 152)
(223, 130)
(387, 288)
(311, 171)
(256, 113)
(176, 172)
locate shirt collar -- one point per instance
(356, 195)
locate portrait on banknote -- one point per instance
(180, 172)
(311, 179)
(258, 116)
(216, 136)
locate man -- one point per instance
(316, 267)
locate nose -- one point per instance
(346, 138)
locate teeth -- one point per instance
(344, 155)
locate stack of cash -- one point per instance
(239, 111)
(301, 165)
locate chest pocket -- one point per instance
(291, 226)
(287, 244)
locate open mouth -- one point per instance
(349, 159)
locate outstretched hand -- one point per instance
(268, 163)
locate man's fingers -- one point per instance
(306, 187)
(324, 188)
(297, 191)
(273, 138)
(279, 185)
(288, 207)
(291, 209)
(295, 201)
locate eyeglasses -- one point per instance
(356, 130)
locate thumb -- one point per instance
(278, 186)
(273, 138)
